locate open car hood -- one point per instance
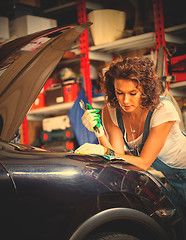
(25, 65)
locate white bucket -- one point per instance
(108, 25)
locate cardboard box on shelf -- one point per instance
(54, 95)
(29, 24)
(54, 123)
(4, 29)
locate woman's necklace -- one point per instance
(133, 131)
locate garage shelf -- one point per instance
(141, 41)
(103, 52)
(178, 89)
(129, 43)
(60, 109)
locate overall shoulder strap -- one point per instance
(147, 126)
(120, 120)
(121, 125)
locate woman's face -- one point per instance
(128, 94)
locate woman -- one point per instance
(138, 120)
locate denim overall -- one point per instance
(175, 177)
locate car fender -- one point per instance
(118, 214)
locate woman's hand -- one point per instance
(92, 121)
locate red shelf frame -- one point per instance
(159, 28)
(84, 50)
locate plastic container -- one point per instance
(108, 25)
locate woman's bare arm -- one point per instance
(153, 145)
(114, 139)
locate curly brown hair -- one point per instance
(139, 69)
